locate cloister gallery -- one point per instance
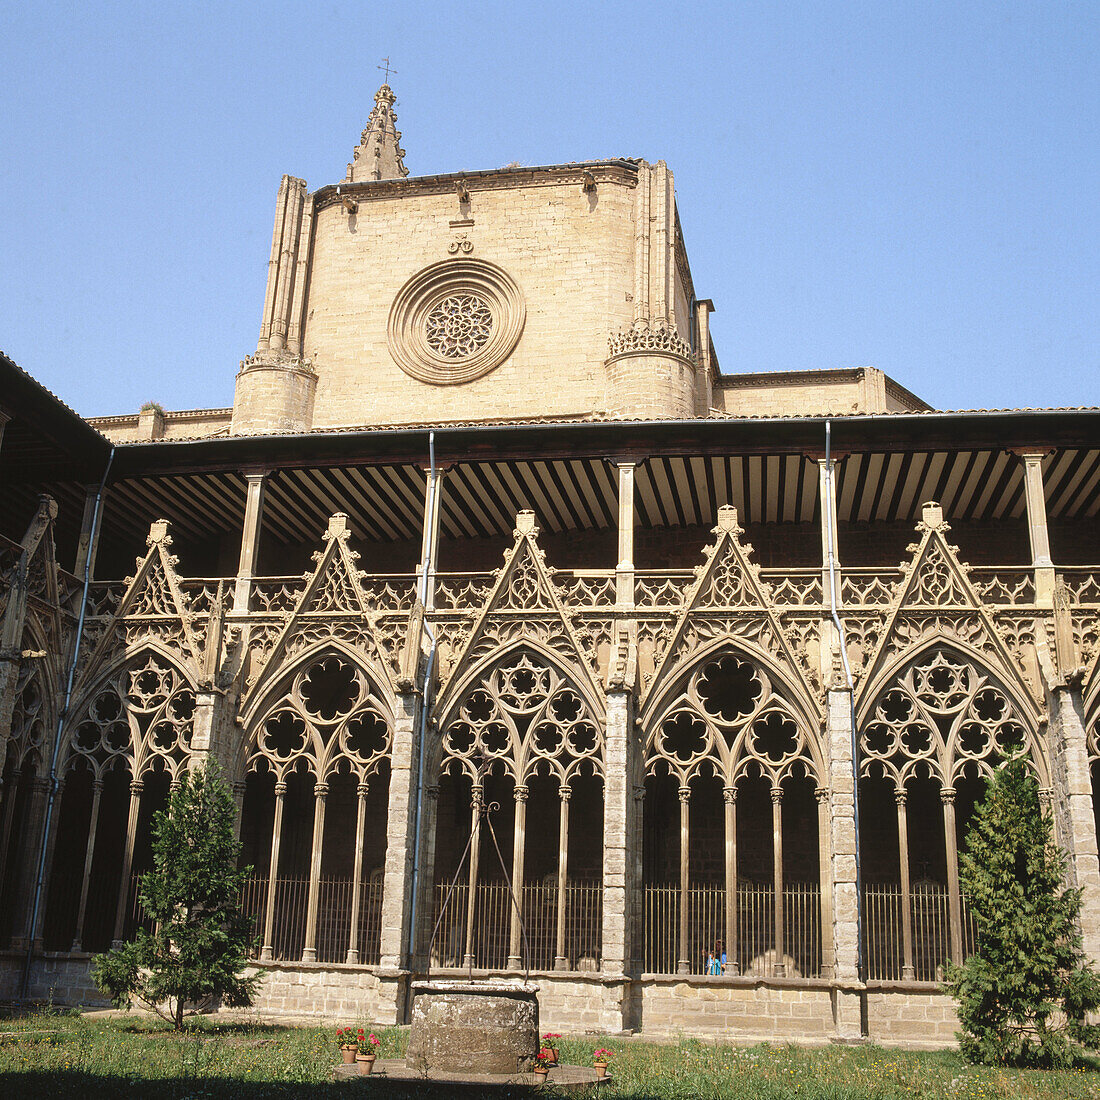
(711, 667)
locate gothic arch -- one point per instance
(939, 709)
(326, 711)
(521, 709)
(137, 715)
(728, 709)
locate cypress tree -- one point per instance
(199, 945)
(1023, 996)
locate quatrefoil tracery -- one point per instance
(526, 718)
(327, 721)
(141, 718)
(728, 720)
(942, 716)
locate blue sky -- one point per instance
(911, 186)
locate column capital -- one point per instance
(947, 796)
(432, 792)
(901, 795)
(520, 793)
(777, 794)
(685, 794)
(821, 794)
(362, 789)
(137, 786)
(320, 790)
(255, 473)
(280, 789)
(565, 792)
(729, 795)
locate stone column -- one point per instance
(397, 875)
(1037, 527)
(88, 542)
(777, 877)
(320, 793)
(683, 963)
(954, 897)
(825, 882)
(136, 787)
(28, 868)
(519, 844)
(357, 872)
(53, 810)
(468, 959)
(89, 856)
(624, 567)
(619, 835)
(1076, 825)
(908, 972)
(250, 538)
(561, 961)
(846, 904)
(729, 796)
(266, 951)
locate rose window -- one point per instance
(459, 326)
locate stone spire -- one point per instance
(378, 156)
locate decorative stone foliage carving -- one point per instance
(943, 715)
(455, 321)
(525, 717)
(728, 718)
(327, 718)
(641, 339)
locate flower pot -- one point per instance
(365, 1062)
(540, 1074)
(552, 1056)
(349, 1055)
(600, 1068)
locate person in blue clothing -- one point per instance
(716, 959)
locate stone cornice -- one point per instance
(622, 172)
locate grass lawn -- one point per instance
(51, 1055)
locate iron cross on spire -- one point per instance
(387, 69)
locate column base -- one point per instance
(561, 963)
(117, 945)
(683, 966)
(352, 957)
(309, 955)
(908, 974)
(265, 953)
(467, 962)
(515, 962)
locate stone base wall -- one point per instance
(314, 991)
(54, 979)
(914, 1015)
(739, 1011)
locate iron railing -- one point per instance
(492, 925)
(755, 952)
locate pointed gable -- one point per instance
(524, 604)
(935, 598)
(727, 599)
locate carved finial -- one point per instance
(337, 526)
(158, 532)
(932, 515)
(727, 518)
(525, 524)
(379, 155)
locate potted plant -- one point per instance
(542, 1065)
(367, 1053)
(550, 1047)
(600, 1057)
(348, 1041)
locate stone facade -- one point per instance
(667, 753)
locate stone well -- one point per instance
(473, 1027)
